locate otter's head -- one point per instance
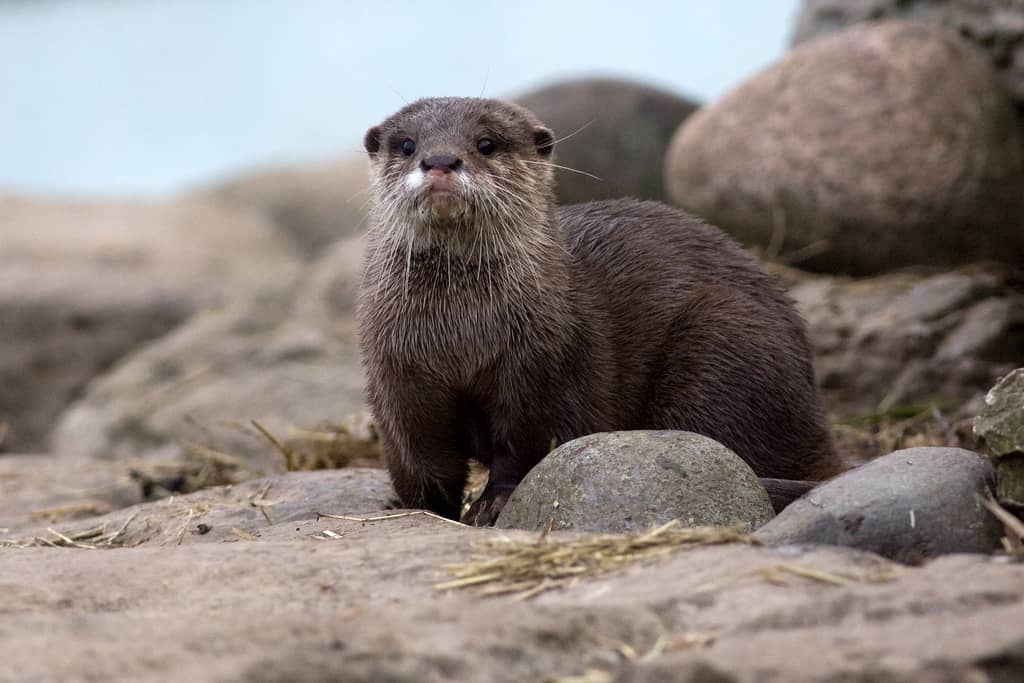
(449, 168)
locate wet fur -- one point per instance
(518, 325)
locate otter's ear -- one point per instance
(371, 141)
(544, 139)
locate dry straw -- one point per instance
(529, 567)
(89, 539)
(352, 442)
(1013, 541)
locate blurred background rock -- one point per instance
(995, 26)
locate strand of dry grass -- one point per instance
(528, 568)
(397, 515)
(87, 539)
(776, 572)
(773, 573)
(1013, 542)
(91, 507)
(288, 454)
(259, 501)
(244, 535)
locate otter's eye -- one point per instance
(408, 147)
(485, 146)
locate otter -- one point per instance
(495, 325)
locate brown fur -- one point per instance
(499, 327)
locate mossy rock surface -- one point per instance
(1001, 425)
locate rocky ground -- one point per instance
(182, 411)
(247, 583)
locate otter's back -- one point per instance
(702, 339)
(647, 257)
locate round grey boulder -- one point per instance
(911, 505)
(877, 147)
(617, 130)
(629, 481)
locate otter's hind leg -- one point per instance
(739, 371)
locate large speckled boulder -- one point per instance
(880, 146)
(83, 283)
(910, 505)
(1001, 425)
(629, 481)
(311, 205)
(616, 130)
(996, 26)
(285, 357)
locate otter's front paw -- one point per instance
(485, 510)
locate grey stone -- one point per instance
(614, 129)
(910, 506)
(880, 146)
(995, 26)
(629, 481)
(1001, 425)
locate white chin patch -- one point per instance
(414, 179)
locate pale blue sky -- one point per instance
(153, 96)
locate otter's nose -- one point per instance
(441, 163)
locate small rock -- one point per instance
(629, 481)
(910, 506)
(1001, 425)
(614, 129)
